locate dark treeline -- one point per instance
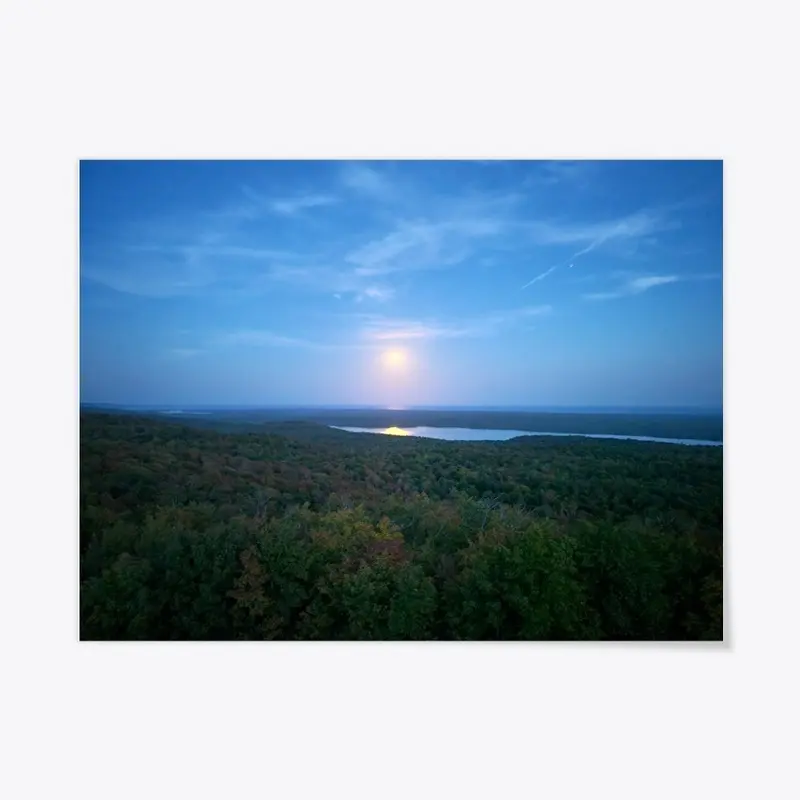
(298, 531)
(666, 426)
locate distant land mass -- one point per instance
(678, 423)
(689, 410)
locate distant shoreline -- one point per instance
(204, 409)
(707, 427)
(465, 435)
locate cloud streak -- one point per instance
(264, 338)
(267, 338)
(643, 284)
(293, 205)
(551, 173)
(328, 280)
(386, 330)
(212, 250)
(426, 245)
(641, 225)
(379, 293)
(161, 278)
(368, 182)
(258, 204)
(271, 339)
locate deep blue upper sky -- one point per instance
(401, 283)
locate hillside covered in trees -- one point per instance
(298, 531)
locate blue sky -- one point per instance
(401, 283)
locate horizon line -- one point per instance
(381, 407)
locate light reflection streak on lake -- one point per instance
(496, 435)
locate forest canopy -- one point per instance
(297, 531)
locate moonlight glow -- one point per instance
(395, 360)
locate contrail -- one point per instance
(539, 277)
(571, 260)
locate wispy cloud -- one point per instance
(222, 251)
(158, 278)
(213, 250)
(409, 246)
(293, 205)
(427, 229)
(327, 280)
(385, 329)
(641, 225)
(642, 284)
(367, 181)
(396, 330)
(258, 203)
(172, 256)
(550, 173)
(379, 293)
(268, 338)
(424, 245)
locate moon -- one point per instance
(395, 359)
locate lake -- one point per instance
(488, 434)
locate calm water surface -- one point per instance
(488, 434)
